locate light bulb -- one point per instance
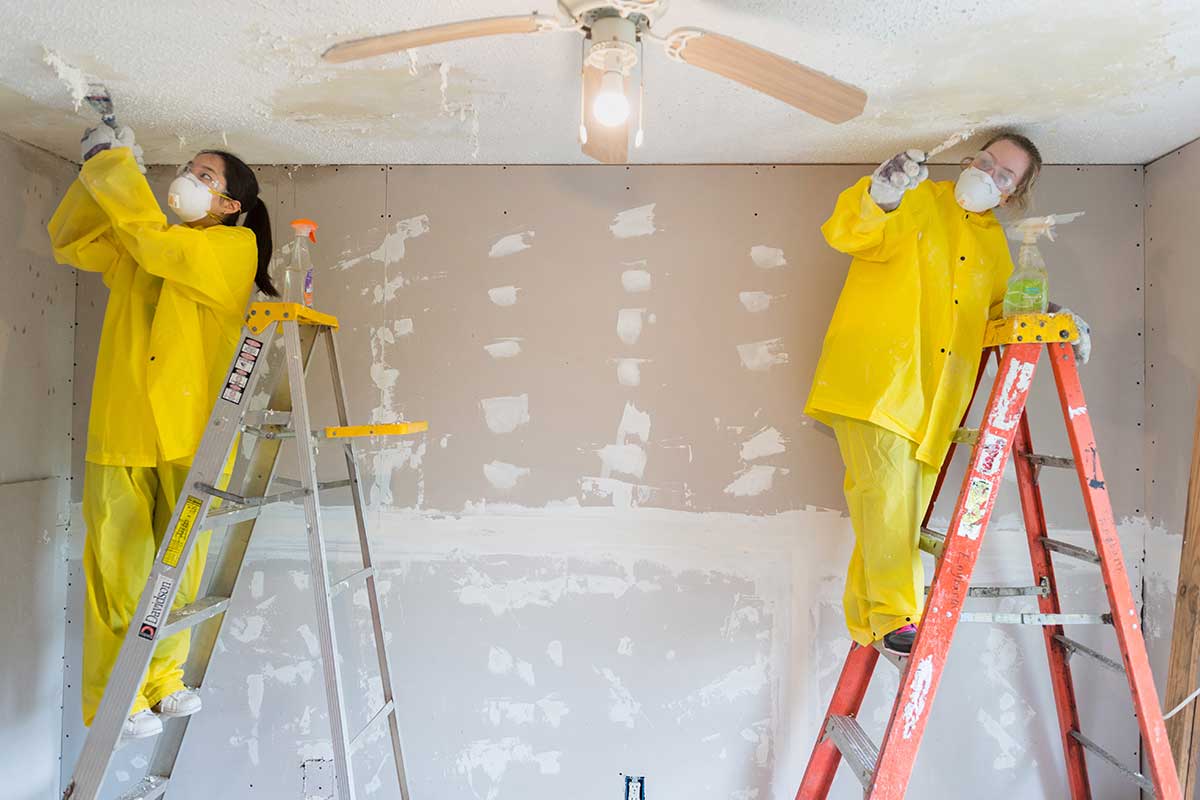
(611, 107)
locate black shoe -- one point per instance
(900, 641)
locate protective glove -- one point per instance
(1083, 345)
(102, 138)
(896, 176)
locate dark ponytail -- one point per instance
(242, 185)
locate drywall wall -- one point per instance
(620, 547)
(1173, 372)
(37, 319)
(1095, 83)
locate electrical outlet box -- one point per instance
(635, 787)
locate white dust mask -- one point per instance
(189, 198)
(976, 191)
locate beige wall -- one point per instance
(37, 329)
(700, 620)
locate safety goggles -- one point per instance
(205, 176)
(983, 161)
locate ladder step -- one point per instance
(230, 515)
(1050, 461)
(359, 431)
(1016, 618)
(1136, 777)
(267, 416)
(855, 746)
(190, 616)
(383, 713)
(932, 542)
(965, 436)
(993, 592)
(249, 502)
(352, 578)
(1075, 647)
(322, 486)
(150, 787)
(1082, 553)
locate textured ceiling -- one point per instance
(1092, 82)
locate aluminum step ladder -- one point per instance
(257, 367)
(884, 770)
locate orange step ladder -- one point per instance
(885, 770)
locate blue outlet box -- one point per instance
(635, 787)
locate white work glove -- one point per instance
(103, 138)
(1083, 345)
(896, 176)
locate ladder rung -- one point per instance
(192, 615)
(855, 746)
(248, 502)
(230, 515)
(390, 429)
(1075, 647)
(383, 713)
(1017, 618)
(965, 436)
(322, 486)
(1082, 553)
(895, 659)
(267, 416)
(352, 578)
(932, 542)
(1050, 461)
(150, 787)
(993, 592)
(1136, 777)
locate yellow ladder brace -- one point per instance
(390, 429)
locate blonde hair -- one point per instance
(1021, 195)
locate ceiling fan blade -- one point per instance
(422, 37)
(783, 79)
(608, 145)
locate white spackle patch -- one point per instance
(914, 707)
(744, 794)
(500, 661)
(247, 629)
(761, 356)
(554, 651)
(505, 414)
(310, 640)
(504, 348)
(767, 442)
(625, 646)
(629, 324)
(1010, 748)
(767, 257)
(76, 81)
(636, 280)
(503, 295)
(553, 710)
(403, 327)
(624, 708)
(741, 682)
(525, 672)
(502, 475)
(513, 243)
(627, 459)
(299, 579)
(393, 247)
(629, 371)
(754, 480)
(634, 222)
(254, 694)
(755, 302)
(760, 736)
(256, 584)
(478, 589)
(385, 463)
(122, 776)
(493, 757)
(634, 424)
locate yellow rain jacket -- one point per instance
(903, 348)
(176, 301)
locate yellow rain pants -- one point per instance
(887, 491)
(176, 299)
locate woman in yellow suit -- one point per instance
(176, 299)
(898, 365)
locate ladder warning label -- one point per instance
(183, 529)
(243, 367)
(158, 608)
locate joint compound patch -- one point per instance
(978, 494)
(243, 368)
(183, 529)
(158, 608)
(915, 707)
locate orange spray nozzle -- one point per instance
(305, 227)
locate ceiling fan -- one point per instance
(614, 32)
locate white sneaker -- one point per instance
(142, 725)
(183, 703)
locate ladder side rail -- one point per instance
(918, 685)
(326, 636)
(847, 699)
(1034, 514)
(356, 492)
(1126, 621)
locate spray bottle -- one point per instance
(1028, 289)
(298, 274)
